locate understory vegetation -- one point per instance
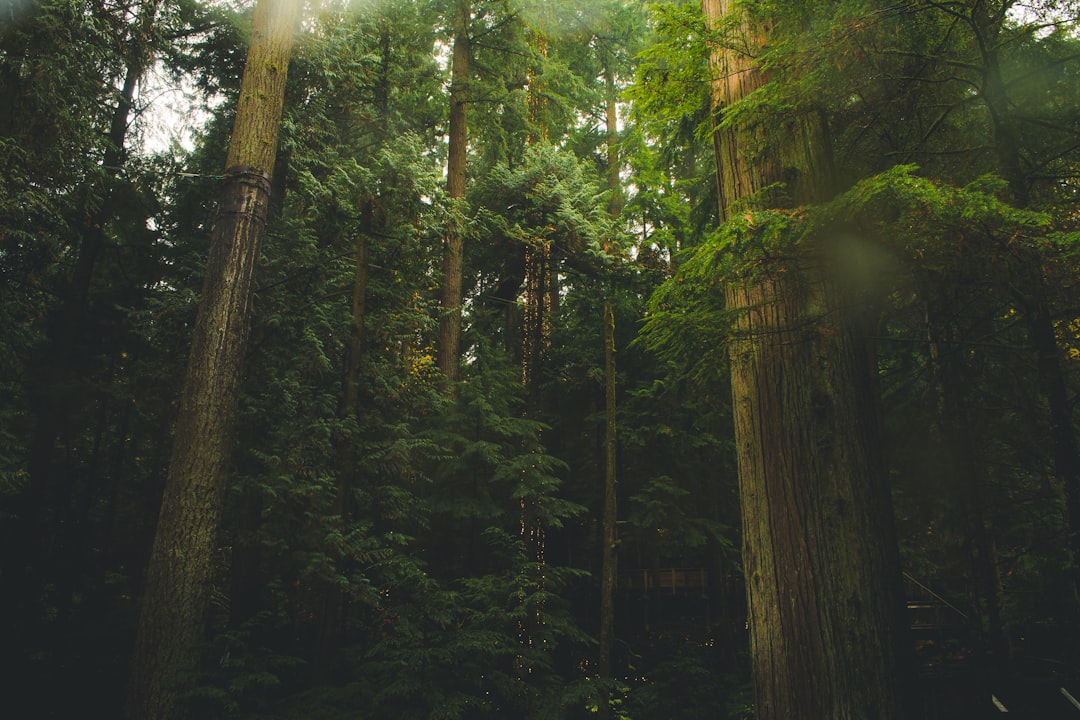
(412, 515)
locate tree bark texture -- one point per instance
(987, 22)
(56, 403)
(819, 549)
(179, 573)
(449, 354)
(773, 169)
(819, 553)
(611, 115)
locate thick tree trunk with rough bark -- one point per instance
(450, 323)
(609, 556)
(819, 550)
(174, 604)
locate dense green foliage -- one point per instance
(395, 548)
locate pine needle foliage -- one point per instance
(886, 225)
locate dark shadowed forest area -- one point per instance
(465, 359)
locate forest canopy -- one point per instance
(435, 359)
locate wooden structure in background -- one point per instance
(673, 579)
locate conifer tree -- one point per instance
(822, 568)
(180, 569)
(452, 265)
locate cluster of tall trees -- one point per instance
(460, 315)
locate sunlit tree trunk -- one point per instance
(179, 573)
(987, 21)
(449, 351)
(819, 550)
(541, 277)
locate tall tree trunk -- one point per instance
(536, 323)
(967, 467)
(609, 550)
(609, 556)
(611, 113)
(535, 343)
(332, 600)
(819, 550)
(56, 401)
(450, 322)
(819, 553)
(987, 22)
(179, 572)
(1066, 454)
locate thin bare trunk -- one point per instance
(536, 330)
(449, 354)
(332, 601)
(609, 556)
(56, 403)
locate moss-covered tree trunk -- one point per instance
(179, 573)
(819, 550)
(449, 351)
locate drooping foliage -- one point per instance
(396, 546)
